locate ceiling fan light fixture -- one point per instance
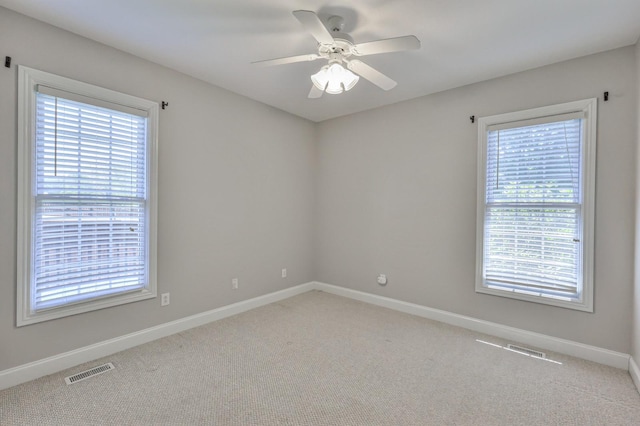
(334, 79)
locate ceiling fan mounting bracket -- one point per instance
(335, 23)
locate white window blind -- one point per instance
(533, 198)
(90, 194)
(536, 203)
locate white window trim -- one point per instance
(28, 79)
(589, 108)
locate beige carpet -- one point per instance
(320, 359)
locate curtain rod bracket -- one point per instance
(606, 96)
(472, 118)
(7, 61)
(165, 104)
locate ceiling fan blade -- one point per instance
(315, 93)
(288, 60)
(396, 44)
(371, 74)
(314, 25)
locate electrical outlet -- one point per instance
(164, 299)
(284, 272)
(234, 283)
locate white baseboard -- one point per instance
(567, 347)
(24, 373)
(33, 370)
(635, 373)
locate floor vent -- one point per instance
(527, 351)
(89, 373)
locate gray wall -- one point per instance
(635, 350)
(235, 191)
(246, 190)
(396, 194)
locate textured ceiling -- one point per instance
(463, 41)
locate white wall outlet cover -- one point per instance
(382, 279)
(164, 299)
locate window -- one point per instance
(536, 177)
(87, 162)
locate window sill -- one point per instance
(81, 307)
(583, 305)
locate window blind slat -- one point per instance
(547, 121)
(535, 162)
(90, 201)
(78, 98)
(533, 205)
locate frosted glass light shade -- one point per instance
(334, 79)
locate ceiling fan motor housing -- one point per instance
(342, 45)
(342, 42)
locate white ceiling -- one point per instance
(463, 41)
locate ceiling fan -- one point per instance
(338, 48)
